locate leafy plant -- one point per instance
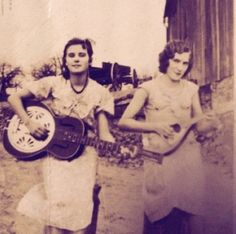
(7, 75)
(50, 68)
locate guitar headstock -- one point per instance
(133, 152)
(123, 152)
(128, 152)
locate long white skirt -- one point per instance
(178, 182)
(65, 198)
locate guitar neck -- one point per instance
(91, 141)
(99, 144)
(114, 148)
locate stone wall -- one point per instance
(217, 153)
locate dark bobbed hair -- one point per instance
(86, 44)
(172, 47)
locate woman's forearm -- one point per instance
(16, 103)
(103, 128)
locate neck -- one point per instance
(169, 82)
(79, 79)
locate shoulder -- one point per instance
(96, 87)
(50, 79)
(190, 86)
(148, 85)
(33, 84)
(56, 79)
(51, 82)
(55, 82)
(94, 83)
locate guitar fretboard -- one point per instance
(90, 141)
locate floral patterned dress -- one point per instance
(178, 181)
(64, 199)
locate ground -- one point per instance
(120, 210)
(121, 188)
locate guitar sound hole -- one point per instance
(176, 127)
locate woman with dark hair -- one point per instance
(175, 188)
(64, 201)
(176, 46)
(86, 44)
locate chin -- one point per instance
(176, 79)
(78, 72)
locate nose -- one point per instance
(76, 58)
(180, 66)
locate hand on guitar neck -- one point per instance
(171, 134)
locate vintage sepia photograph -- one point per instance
(117, 117)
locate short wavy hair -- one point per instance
(86, 44)
(172, 47)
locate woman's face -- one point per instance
(178, 66)
(77, 59)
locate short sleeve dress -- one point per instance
(64, 199)
(179, 180)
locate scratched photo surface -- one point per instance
(127, 37)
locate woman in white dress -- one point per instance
(177, 185)
(64, 200)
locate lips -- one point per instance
(178, 73)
